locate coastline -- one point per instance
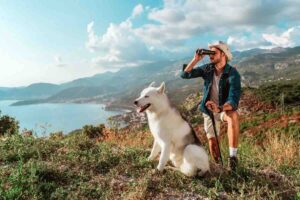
(128, 113)
(44, 126)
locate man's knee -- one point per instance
(231, 116)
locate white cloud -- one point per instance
(118, 47)
(171, 26)
(276, 38)
(90, 27)
(138, 9)
(282, 40)
(58, 61)
(168, 15)
(241, 42)
(180, 20)
(93, 40)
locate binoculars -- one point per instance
(205, 52)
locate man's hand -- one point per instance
(212, 106)
(198, 57)
(193, 62)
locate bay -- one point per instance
(43, 119)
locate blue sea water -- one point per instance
(46, 118)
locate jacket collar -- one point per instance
(226, 69)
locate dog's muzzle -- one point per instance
(143, 108)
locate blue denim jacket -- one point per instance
(229, 85)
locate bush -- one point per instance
(272, 93)
(8, 125)
(93, 131)
(56, 135)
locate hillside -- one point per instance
(111, 163)
(257, 66)
(33, 91)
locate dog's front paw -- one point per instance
(150, 158)
(160, 168)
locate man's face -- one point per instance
(217, 57)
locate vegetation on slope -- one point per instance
(102, 163)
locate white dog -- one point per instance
(173, 136)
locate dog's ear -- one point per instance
(162, 88)
(151, 84)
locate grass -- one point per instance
(112, 164)
(78, 167)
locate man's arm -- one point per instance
(193, 62)
(189, 71)
(234, 91)
(233, 96)
(212, 106)
(226, 107)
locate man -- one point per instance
(221, 95)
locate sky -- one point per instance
(61, 40)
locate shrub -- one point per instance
(56, 135)
(8, 125)
(272, 93)
(93, 131)
(27, 133)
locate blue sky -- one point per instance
(58, 41)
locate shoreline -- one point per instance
(45, 128)
(107, 105)
(114, 107)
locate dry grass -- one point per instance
(78, 167)
(282, 148)
(139, 137)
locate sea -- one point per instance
(43, 119)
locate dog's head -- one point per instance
(150, 97)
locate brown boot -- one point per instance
(232, 163)
(213, 148)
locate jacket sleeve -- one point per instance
(194, 73)
(234, 89)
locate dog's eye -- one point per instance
(146, 96)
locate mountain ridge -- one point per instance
(256, 66)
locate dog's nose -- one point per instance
(135, 102)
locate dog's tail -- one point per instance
(195, 161)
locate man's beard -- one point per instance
(216, 61)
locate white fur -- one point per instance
(171, 134)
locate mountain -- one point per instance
(36, 90)
(256, 66)
(239, 56)
(271, 66)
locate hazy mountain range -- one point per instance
(120, 88)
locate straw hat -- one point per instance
(223, 47)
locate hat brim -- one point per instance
(220, 47)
